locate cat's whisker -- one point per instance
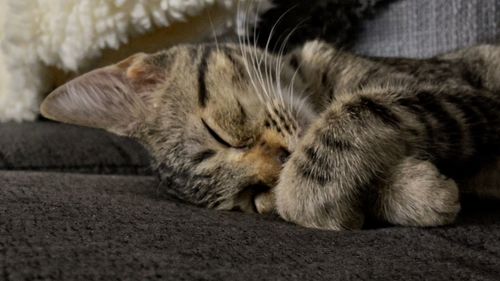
(250, 57)
(302, 102)
(214, 33)
(269, 89)
(266, 52)
(264, 77)
(256, 67)
(291, 86)
(243, 43)
(280, 55)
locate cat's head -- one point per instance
(220, 121)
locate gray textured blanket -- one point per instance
(81, 204)
(109, 227)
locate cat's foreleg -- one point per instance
(360, 154)
(339, 162)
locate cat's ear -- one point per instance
(115, 98)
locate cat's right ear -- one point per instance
(114, 98)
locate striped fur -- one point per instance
(397, 136)
(323, 137)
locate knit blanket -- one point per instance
(98, 227)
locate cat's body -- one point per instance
(321, 136)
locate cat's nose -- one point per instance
(274, 147)
(278, 152)
(283, 155)
(267, 157)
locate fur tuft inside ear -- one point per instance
(114, 98)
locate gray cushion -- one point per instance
(58, 147)
(422, 28)
(109, 227)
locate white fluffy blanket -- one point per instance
(40, 36)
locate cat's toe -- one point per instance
(442, 204)
(265, 203)
(420, 196)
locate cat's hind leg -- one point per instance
(417, 194)
(483, 62)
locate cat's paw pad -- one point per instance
(420, 196)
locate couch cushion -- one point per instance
(422, 28)
(63, 226)
(52, 146)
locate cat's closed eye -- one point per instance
(214, 135)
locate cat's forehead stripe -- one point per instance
(238, 67)
(203, 94)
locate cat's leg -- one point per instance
(417, 194)
(357, 143)
(486, 183)
(341, 158)
(264, 203)
(482, 62)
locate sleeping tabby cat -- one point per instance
(323, 137)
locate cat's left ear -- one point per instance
(115, 98)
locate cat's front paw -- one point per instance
(310, 203)
(419, 195)
(265, 203)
